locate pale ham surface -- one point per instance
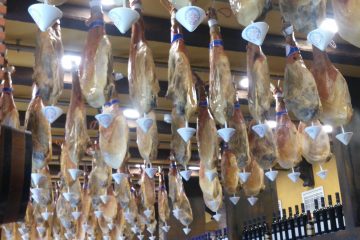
(247, 11)
(333, 90)
(315, 151)
(221, 89)
(239, 143)
(143, 84)
(259, 94)
(131, 210)
(229, 171)
(85, 207)
(36, 122)
(113, 140)
(300, 92)
(148, 142)
(76, 135)
(180, 149)
(206, 133)
(178, 197)
(212, 190)
(9, 115)
(286, 136)
(255, 183)
(123, 193)
(48, 72)
(181, 87)
(347, 18)
(147, 191)
(163, 202)
(109, 209)
(263, 150)
(63, 212)
(96, 66)
(304, 15)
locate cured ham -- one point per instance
(36, 122)
(96, 66)
(259, 94)
(113, 140)
(180, 149)
(247, 11)
(48, 72)
(347, 18)
(286, 135)
(206, 133)
(333, 90)
(255, 182)
(147, 191)
(163, 202)
(239, 143)
(304, 15)
(221, 89)
(181, 87)
(263, 150)
(123, 192)
(148, 142)
(300, 92)
(229, 171)
(9, 115)
(315, 151)
(143, 84)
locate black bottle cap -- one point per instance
(290, 212)
(330, 200)
(302, 207)
(316, 202)
(322, 202)
(296, 209)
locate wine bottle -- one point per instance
(225, 234)
(317, 218)
(259, 232)
(285, 229)
(291, 225)
(309, 225)
(331, 213)
(303, 220)
(266, 230)
(274, 228)
(324, 214)
(340, 220)
(253, 230)
(245, 232)
(297, 221)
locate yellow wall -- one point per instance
(289, 193)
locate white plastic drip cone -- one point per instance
(190, 17)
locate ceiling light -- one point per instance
(271, 124)
(194, 168)
(244, 83)
(68, 61)
(327, 128)
(107, 2)
(131, 113)
(330, 25)
(137, 165)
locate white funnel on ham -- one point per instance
(104, 119)
(271, 175)
(44, 15)
(344, 137)
(151, 172)
(166, 228)
(104, 198)
(252, 200)
(76, 215)
(217, 217)
(320, 38)
(211, 174)
(294, 176)
(186, 132)
(46, 215)
(234, 199)
(98, 213)
(255, 33)
(123, 18)
(260, 129)
(226, 133)
(145, 123)
(75, 173)
(41, 230)
(37, 178)
(118, 177)
(190, 17)
(36, 194)
(244, 176)
(152, 237)
(147, 213)
(186, 230)
(52, 113)
(322, 173)
(186, 174)
(313, 131)
(140, 236)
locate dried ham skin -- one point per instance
(113, 140)
(333, 90)
(123, 193)
(229, 171)
(96, 66)
(304, 15)
(9, 115)
(315, 151)
(148, 142)
(36, 122)
(239, 143)
(300, 92)
(259, 94)
(181, 87)
(263, 150)
(179, 148)
(48, 72)
(221, 89)
(143, 83)
(255, 183)
(147, 191)
(247, 11)
(163, 203)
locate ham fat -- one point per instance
(247, 11)
(347, 18)
(259, 94)
(333, 90)
(143, 84)
(9, 115)
(48, 72)
(96, 65)
(304, 15)
(300, 92)
(221, 89)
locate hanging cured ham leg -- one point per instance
(255, 182)
(9, 115)
(259, 94)
(247, 11)
(163, 203)
(300, 91)
(96, 66)
(229, 171)
(48, 72)
(332, 86)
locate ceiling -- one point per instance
(21, 34)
